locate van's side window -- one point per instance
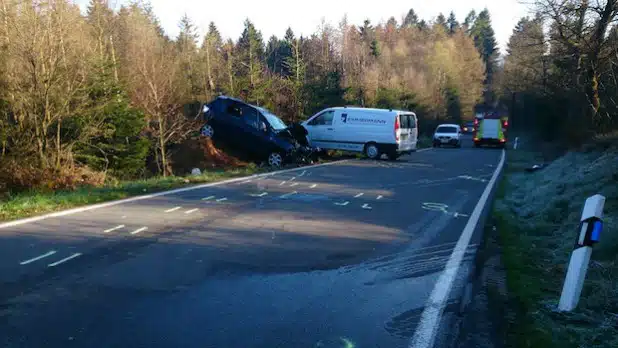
(324, 119)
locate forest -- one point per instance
(91, 95)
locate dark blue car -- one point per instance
(252, 130)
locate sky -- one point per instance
(273, 17)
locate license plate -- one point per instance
(445, 140)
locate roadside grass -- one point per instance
(31, 203)
(537, 215)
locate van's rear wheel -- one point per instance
(372, 151)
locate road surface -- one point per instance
(344, 255)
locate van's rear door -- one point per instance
(407, 131)
(491, 129)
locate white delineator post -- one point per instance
(589, 234)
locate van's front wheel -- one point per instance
(372, 151)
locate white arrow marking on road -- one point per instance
(64, 260)
(288, 194)
(139, 230)
(113, 229)
(359, 195)
(191, 211)
(208, 198)
(366, 206)
(38, 258)
(259, 195)
(221, 199)
(342, 204)
(173, 209)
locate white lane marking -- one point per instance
(292, 179)
(427, 149)
(246, 182)
(154, 195)
(208, 198)
(124, 217)
(366, 206)
(139, 230)
(191, 211)
(282, 183)
(221, 199)
(380, 197)
(303, 173)
(173, 209)
(359, 195)
(313, 186)
(259, 195)
(516, 143)
(38, 258)
(64, 260)
(113, 229)
(425, 334)
(294, 184)
(460, 214)
(288, 194)
(342, 204)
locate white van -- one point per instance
(373, 132)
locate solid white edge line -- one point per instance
(427, 328)
(113, 229)
(191, 211)
(23, 263)
(139, 230)
(158, 194)
(64, 260)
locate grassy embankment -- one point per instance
(37, 202)
(537, 215)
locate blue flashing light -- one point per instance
(596, 231)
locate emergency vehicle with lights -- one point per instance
(490, 129)
(373, 132)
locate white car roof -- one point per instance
(389, 111)
(449, 125)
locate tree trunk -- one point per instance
(162, 151)
(111, 42)
(209, 69)
(58, 147)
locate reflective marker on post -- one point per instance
(589, 234)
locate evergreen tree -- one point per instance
(411, 19)
(452, 23)
(441, 21)
(469, 21)
(485, 41)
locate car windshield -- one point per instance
(446, 129)
(273, 120)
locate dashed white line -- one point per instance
(359, 195)
(342, 204)
(292, 179)
(288, 194)
(64, 260)
(380, 197)
(113, 229)
(221, 199)
(139, 230)
(282, 183)
(259, 195)
(303, 173)
(366, 206)
(208, 198)
(294, 184)
(23, 263)
(191, 211)
(246, 181)
(173, 209)
(313, 186)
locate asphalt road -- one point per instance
(344, 255)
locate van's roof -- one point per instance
(449, 125)
(355, 108)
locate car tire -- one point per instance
(275, 159)
(372, 151)
(207, 131)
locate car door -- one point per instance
(322, 131)
(251, 136)
(232, 124)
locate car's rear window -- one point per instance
(446, 129)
